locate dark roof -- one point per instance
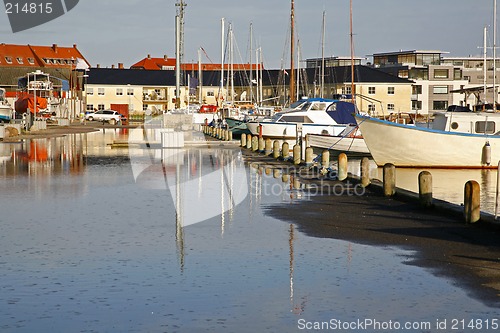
(333, 75)
(130, 76)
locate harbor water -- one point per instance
(102, 238)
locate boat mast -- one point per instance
(177, 63)
(352, 54)
(485, 67)
(494, 54)
(251, 69)
(292, 52)
(221, 63)
(322, 79)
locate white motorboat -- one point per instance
(349, 141)
(456, 140)
(317, 115)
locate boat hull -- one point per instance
(288, 131)
(353, 145)
(411, 146)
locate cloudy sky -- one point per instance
(124, 31)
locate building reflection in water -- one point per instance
(44, 157)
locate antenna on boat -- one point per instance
(292, 51)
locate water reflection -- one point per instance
(44, 157)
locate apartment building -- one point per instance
(437, 85)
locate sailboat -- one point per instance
(350, 139)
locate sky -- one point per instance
(109, 32)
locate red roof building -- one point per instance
(41, 56)
(165, 63)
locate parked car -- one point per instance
(110, 116)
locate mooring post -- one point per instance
(472, 207)
(268, 147)
(261, 144)
(285, 150)
(309, 156)
(243, 140)
(389, 179)
(365, 172)
(276, 149)
(325, 159)
(230, 136)
(296, 154)
(249, 141)
(342, 167)
(425, 188)
(255, 143)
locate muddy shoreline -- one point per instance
(467, 254)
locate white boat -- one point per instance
(5, 108)
(349, 141)
(476, 146)
(317, 115)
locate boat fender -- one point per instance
(486, 155)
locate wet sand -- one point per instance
(468, 254)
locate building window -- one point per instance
(371, 108)
(100, 91)
(210, 93)
(20, 60)
(457, 74)
(119, 92)
(9, 60)
(145, 107)
(31, 61)
(346, 90)
(416, 105)
(390, 107)
(371, 90)
(440, 89)
(390, 90)
(90, 107)
(416, 90)
(90, 91)
(441, 73)
(130, 91)
(440, 105)
(100, 107)
(403, 73)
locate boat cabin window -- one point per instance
(295, 119)
(487, 127)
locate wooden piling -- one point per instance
(230, 136)
(425, 188)
(243, 140)
(285, 150)
(472, 207)
(268, 146)
(389, 179)
(249, 141)
(325, 159)
(365, 172)
(309, 156)
(296, 154)
(276, 149)
(255, 143)
(262, 144)
(342, 167)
